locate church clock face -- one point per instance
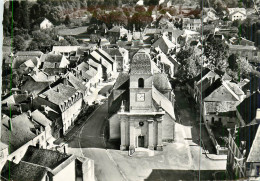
(140, 97)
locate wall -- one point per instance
(19, 153)
(114, 127)
(167, 128)
(66, 174)
(88, 170)
(70, 114)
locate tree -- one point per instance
(33, 46)
(25, 19)
(216, 52)
(232, 62)
(19, 43)
(67, 20)
(72, 41)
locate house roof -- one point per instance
(164, 43)
(54, 61)
(40, 118)
(241, 47)
(21, 132)
(161, 82)
(105, 55)
(204, 72)
(29, 53)
(46, 158)
(18, 61)
(67, 49)
(76, 83)
(253, 85)
(73, 31)
(113, 52)
(247, 108)
(117, 29)
(141, 63)
(255, 149)
(59, 93)
(226, 92)
(23, 171)
(121, 79)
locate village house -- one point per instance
(243, 150)
(24, 131)
(54, 64)
(209, 15)
(89, 74)
(41, 164)
(36, 81)
(61, 99)
(65, 50)
(191, 24)
(237, 14)
(46, 24)
(164, 44)
(141, 106)
(246, 51)
(116, 33)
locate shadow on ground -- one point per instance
(169, 175)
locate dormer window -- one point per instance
(140, 83)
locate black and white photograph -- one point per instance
(130, 90)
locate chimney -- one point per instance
(10, 124)
(248, 93)
(258, 115)
(58, 90)
(29, 114)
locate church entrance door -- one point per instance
(140, 141)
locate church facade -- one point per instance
(139, 119)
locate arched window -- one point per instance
(141, 83)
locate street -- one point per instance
(90, 142)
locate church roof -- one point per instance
(141, 63)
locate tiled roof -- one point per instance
(211, 89)
(253, 85)
(21, 59)
(255, 149)
(141, 63)
(247, 108)
(23, 171)
(40, 118)
(241, 47)
(74, 31)
(105, 55)
(121, 79)
(29, 53)
(21, 132)
(77, 84)
(46, 158)
(164, 43)
(113, 52)
(205, 71)
(59, 93)
(67, 49)
(117, 29)
(161, 82)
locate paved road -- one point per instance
(189, 117)
(90, 140)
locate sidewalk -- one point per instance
(76, 127)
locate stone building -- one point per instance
(141, 105)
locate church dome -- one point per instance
(141, 63)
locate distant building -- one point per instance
(209, 15)
(237, 14)
(46, 24)
(191, 24)
(116, 33)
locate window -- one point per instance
(257, 170)
(141, 83)
(212, 120)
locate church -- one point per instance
(141, 106)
